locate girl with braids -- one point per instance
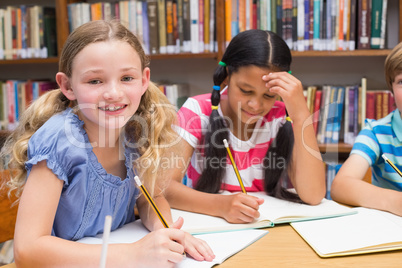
(77, 149)
(268, 150)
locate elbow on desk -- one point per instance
(313, 198)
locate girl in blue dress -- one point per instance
(77, 149)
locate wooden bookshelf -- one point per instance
(63, 32)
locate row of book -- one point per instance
(27, 32)
(312, 24)
(15, 97)
(164, 26)
(339, 112)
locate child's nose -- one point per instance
(255, 103)
(112, 92)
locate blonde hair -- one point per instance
(154, 109)
(393, 65)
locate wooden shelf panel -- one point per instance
(153, 57)
(358, 53)
(343, 53)
(30, 61)
(183, 56)
(335, 148)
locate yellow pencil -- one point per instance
(150, 200)
(392, 165)
(234, 166)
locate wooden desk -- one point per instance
(283, 247)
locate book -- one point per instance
(224, 245)
(152, 10)
(376, 14)
(364, 24)
(272, 211)
(366, 231)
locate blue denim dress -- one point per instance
(89, 192)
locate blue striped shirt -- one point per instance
(383, 136)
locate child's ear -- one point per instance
(225, 82)
(64, 84)
(146, 75)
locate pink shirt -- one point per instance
(193, 122)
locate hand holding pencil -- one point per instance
(199, 250)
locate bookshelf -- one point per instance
(330, 65)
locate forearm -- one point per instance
(149, 217)
(308, 172)
(50, 251)
(357, 192)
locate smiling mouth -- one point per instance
(112, 108)
(252, 114)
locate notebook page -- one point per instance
(366, 228)
(223, 245)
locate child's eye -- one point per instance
(94, 82)
(127, 79)
(245, 91)
(268, 96)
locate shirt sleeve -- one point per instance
(62, 152)
(366, 144)
(192, 123)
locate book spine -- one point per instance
(180, 27)
(152, 10)
(279, 15)
(186, 26)
(228, 21)
(376, 13)
(370, 105)
(206, 25)
(162, 27)
(201, 26)
(145, 25)
(306, 24)
(383, 23)
(300, 25)
(169, 27)
(274, 16)
(352, 39)
(385, 103)
(194, 26)
(316, 25)
(316, 111)
(364, 25)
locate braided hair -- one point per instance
(263, 49)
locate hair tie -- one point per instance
(214, 107)
(289, 72)
(221, 63)
(288, 119)
(216, 87)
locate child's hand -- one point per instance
(196, 248)
(240, 208)
(160, 248)
(290, 89)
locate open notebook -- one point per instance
(224, 245)
(367, 231)
(272, 211)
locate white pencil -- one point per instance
(106, 233)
